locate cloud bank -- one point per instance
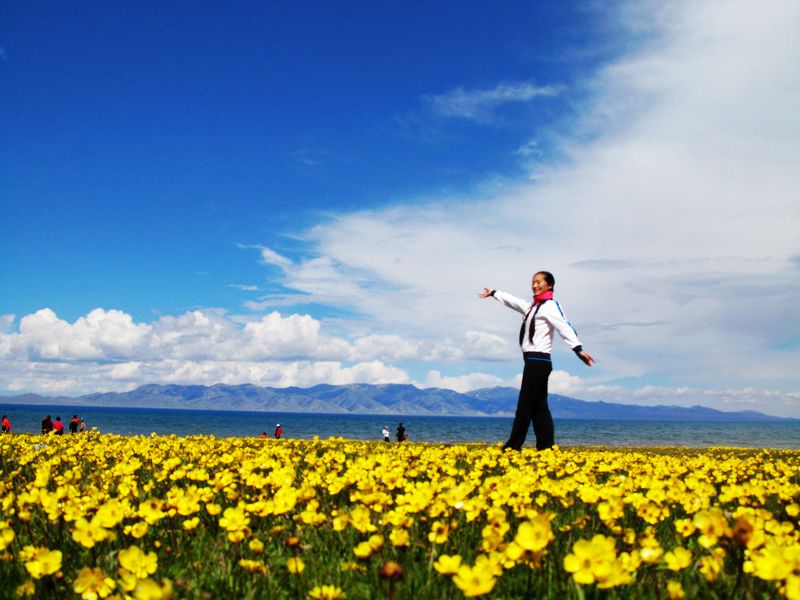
(106, 350)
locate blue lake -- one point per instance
(569, 432)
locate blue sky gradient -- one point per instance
(150, 139)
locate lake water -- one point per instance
(569, 432)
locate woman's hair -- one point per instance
(548, 277)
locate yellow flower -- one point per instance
(295, 565)
(447, 565)
(489, 564)
(284, 500)
(363, 550)
(375, 542)
(26, 589)
(678, 558)
(326, 592)
(6, 537)
(138, 530)
(772, 563)
(712, 524)
(588, 559)
(710, 566)
(596, 561)
(611, 510)
(684, 527)
(234, 519)
(474, 582)
(213, 509)
(151, 511)
(92, 584)
(399, 537)
(675, 590)
(256, 546)
(793, 510)
(235, 522)
(191, 524)
(351, 566)
(792, 590)
(42, 561)
(651, 554)
(254, 566)
(136, 562)
(88, 534)
(534, 535)
(438, 533)
(340, 521)
(127, 580)
(360, 519)
(109, 514)
(147, 589)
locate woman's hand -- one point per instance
(586, 358)
(486, 293)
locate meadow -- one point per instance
(105, 516)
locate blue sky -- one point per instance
(297, 193)
(142, 130)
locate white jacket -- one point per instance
(549, 317)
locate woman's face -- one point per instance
(539, 284)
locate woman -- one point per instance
(541, 318)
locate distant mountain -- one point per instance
(387, 399)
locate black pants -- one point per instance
(532, 407)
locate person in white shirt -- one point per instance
(540, 319)
(385, 434)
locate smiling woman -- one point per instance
(540, 318)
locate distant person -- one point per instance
(262, 435)
(402, 435)
(47, 424)
(278, 431)
(81, 425)
(6, 425)
(58, 426)
(73, 424)
(540, 318)
(386, 433)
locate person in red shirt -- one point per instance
(278, 431)
(58, 426)
(6, 425)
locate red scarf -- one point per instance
(539, 298)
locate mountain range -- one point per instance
(388, 399)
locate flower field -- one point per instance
(102, 516)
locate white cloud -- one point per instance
(52, 356)
(270, 257)
(244, 287)
(6, 322)
(479, 105)
(461, 383)
(565, 384)
(100, 334)
(75, 378)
